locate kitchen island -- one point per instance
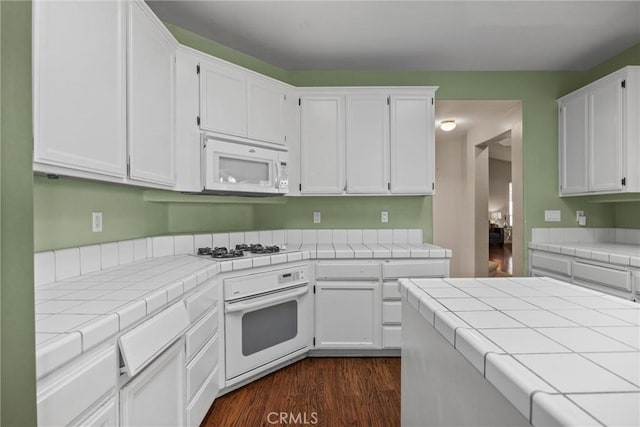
(518, 351)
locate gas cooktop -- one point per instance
(223, 252)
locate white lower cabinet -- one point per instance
(202, 401)
(71, 393)
(602, 277)
(551, 265)
(348, 315)
(155, 397)
(635, 280)
(105, 415)
(611, 279)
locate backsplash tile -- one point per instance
(162, 246)
(109, 255)
(90, 259)
(139, 249)
(67, 263)
(125, 252)
(44, 268)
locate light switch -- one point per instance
(316, 218)
(552, 216)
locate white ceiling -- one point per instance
(408, 35)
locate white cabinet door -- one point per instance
(155, 397)
(322, 144)
(79, 90)
(104, 416)
(223, 99)
(412, 144)
(605, 135)
(348, 315)
(367, 144)
(188, 135)
(572, 122)
(266, 111)
(151, 96)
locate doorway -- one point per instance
(463, 206)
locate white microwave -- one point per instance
(247, 169)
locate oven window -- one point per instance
(241, 171)
(269, 326)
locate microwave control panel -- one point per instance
(283, 179)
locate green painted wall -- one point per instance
(62, 213)
(196, 218)
(627, 215)
(17, 335)
(348, 212)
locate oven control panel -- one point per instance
(291, 276)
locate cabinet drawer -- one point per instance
(62, 398)
(391, 336)
(619, 279)
(201, 367)
(199, 334)
(391, 312)
(390, 290)
(426, 268)
(330, 270)
(555, 263)
(141, 345)
(202, 301)
(105, 416)
(202, 401)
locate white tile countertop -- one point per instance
(76, 314)
(561, 354)
(85, 295)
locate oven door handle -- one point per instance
(233, 307)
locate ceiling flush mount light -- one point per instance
(448, 125)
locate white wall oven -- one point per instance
(244, 168)
(266, 320)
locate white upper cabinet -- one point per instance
(605, 132)
(104, 92)
(412, 144)
(599, 136)
(367, 148)
(322, 144)
(151, 97)
(266, 111)
(234, 101)
(188, 134)
(79, 90)
(573, 148)
(381, 141)
(223, 99)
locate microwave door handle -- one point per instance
(232, 307)
(276, 168)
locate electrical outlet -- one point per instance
(552, 216)
(96, 222)
(579, 214)
(317, 217)
(384, 216)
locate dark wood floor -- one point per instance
(330, 391)
(502, 255)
